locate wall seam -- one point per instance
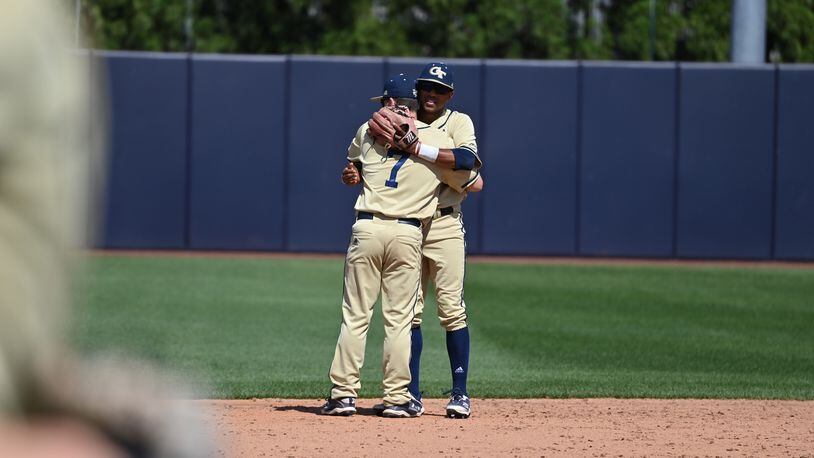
(481, 115)
(775, 160)
(578, 166)
(284, 229)
(676, 149)
(188, 153)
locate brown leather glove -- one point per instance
(394, 127)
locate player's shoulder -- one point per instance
(453, 120)
(458, 115)
(460, 118)
(360, 133)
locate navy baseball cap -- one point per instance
(438, 72)
(399, 87)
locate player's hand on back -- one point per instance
(350, 175)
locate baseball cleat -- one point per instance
(344, 407)
(459, 406)
(411, 409)
(378, 408)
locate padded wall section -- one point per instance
(467, 99)
(530, 113)
(589, 174)
(725, 162)
(146, 194)
(794, 234)
(628, 141)
(237, 163)
(320, 207)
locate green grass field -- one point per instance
(267, 328)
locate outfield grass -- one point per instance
(267, 328)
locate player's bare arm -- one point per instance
(456, 158)
(462, 157)
(477, 185)
(351, 177)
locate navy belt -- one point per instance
(411, 221)
(447, 211)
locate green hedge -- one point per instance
(686, 30)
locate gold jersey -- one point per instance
(400, 185)
(458, 127)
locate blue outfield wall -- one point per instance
(237, 156)
(147, 172)
(530, 150)
(627, 170)
(794, 224)
(725, 162)
(581, 158)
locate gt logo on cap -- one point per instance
(439, 73)
(436, 71)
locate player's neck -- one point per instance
(429, 118)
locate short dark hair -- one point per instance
(412, 104)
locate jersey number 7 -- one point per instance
(392, 183)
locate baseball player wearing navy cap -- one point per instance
(438, 73)
(399, 194)
(397, 87)
(444, 247)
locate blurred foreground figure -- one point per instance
(51, 402)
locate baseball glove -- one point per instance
(394, 127)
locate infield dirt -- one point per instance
(524, 427)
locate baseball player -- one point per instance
(444, 248)
(399, 191)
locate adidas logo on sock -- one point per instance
(459, 370)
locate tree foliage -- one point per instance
(790, 36)
(687, 30)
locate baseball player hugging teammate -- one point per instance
(401, 175)
(454, 148)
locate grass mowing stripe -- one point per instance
(616, 325)
(267, 327)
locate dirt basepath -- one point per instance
(527, 427)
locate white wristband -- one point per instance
(429, 153)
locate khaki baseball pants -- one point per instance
(444, 263)
(384, 255)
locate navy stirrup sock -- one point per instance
(416, 345)
(458, 350)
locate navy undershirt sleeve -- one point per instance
(464, 159)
